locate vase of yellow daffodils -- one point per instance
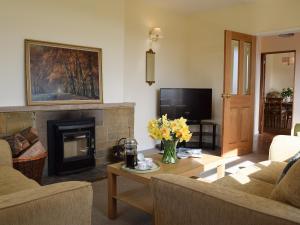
(170, 132)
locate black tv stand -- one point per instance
(200, 134)
(211, 133)
(195, 142)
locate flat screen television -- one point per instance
(191, 103)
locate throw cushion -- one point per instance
(288, 189)
(289, 165)
(18, 144)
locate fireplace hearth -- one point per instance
(71, 146)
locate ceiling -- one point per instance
(191, 6)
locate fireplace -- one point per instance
(71, 145)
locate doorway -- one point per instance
(276, 92)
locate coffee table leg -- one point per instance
(112, 191)
(221, 171)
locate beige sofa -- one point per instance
(25, 202)
(239, 199)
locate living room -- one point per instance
(189, 53)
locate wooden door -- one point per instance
(238, 95)
(262, 94)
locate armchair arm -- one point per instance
(68, 203)
(284, 147)
(184, 201)
(5, 154)
(295, 129)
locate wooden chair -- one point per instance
(288, 115)
(296, 129)
(275, 113)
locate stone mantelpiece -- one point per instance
(65, 107)
(113, 121)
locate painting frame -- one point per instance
(28, 43)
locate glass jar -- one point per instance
(130, 148)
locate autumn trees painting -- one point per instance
(64, 74)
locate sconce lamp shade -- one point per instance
(150, 67)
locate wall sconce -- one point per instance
(150, 67)
(154, 36)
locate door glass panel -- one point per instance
(235, 67)
(246, 68)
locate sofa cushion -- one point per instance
(246, 184)
(267, 171)
(12, 180)
(288, 189)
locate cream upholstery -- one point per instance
(12, 181)
(266, 171)
(25, 202)
(240, 199)
(5, 154)
(247, 184)
(284, 147)
(184, 201)
(66, 203)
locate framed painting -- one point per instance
(62, 74)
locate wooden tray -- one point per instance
(154, 168)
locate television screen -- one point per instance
(192, 104)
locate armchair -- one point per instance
(24, 202)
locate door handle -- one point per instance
(226, 95)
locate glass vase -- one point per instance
(169, 155)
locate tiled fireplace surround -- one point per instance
(113, 121)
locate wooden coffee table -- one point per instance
(141, 198)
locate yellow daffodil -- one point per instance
(165, 129)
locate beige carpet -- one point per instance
(127, 215)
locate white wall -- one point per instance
(278, 75)
(275, 43)
(95, 23)
(122, 33)
(190, 55)
(171, 60)
(104, 24)
(206, 41)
